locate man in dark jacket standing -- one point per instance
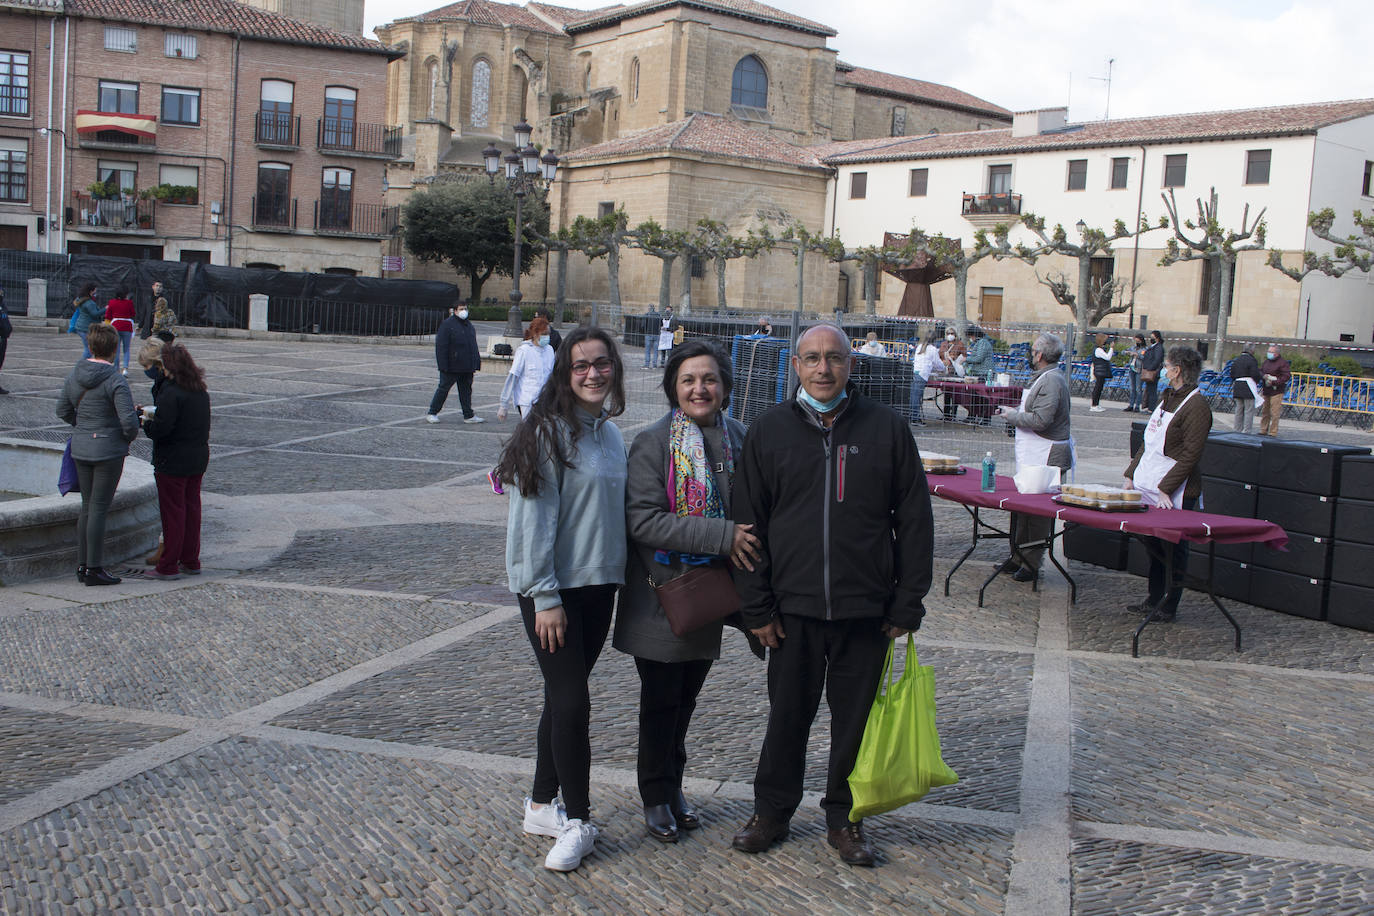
(1245, 387)
(1276, 372)
(1150, 365)
(833, 484)
(456, 352)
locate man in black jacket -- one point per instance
(833, 484)
(1245, 387)
(1150, 365)
(456, 352)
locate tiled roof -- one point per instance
(484, 12)
(223, 16)
(744, 9)
(1284, 120)
(708, 135)
(892, 84)
(564, 15)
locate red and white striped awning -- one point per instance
(88, 122)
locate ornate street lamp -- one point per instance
(524, 170)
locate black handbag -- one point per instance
(700, 596)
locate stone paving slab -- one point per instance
(273, 387)
(448, 442)
(317, 410)
(1100, 623)
(281, 471)
(37, 749)
(235, 429)
(1165, 881)
(441, 700)
(262, 827)
(1192, 749)
(207, 650)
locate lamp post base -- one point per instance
(515, 325)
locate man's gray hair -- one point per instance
(1050, 347)
(1248, 347)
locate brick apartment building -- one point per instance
(201, 130)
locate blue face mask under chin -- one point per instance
(822, 406)
(152, 373)
(543, 340)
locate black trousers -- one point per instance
(1098, 382)
(845, 659)
(1171, 593)
(98, 480)
(1151, 390)
(563, 752)
(667, 698)
(446, 381)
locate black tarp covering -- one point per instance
(209, 296)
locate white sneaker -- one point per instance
(576, 842)
(1096, 409)
(473, 419)
(431, 418)
(546, 821)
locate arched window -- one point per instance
(749, 88)
(431, 86)
(481, 93)
(634, 80)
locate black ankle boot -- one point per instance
(81, 574)
(96, 575)
(683, 813)
(659, 821)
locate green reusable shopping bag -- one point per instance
(899, 758)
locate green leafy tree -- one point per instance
(1353, 252)
(665, 244)
(712, 241)
(471, 226)
(600, 237)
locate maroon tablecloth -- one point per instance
(1171, 525)
(978, 398)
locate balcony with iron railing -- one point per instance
(274, 214)
(116, 140)
(274, 130)
(992, 208)
(122, 216)
(356, 221)
(346, 137)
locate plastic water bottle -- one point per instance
(989, 473)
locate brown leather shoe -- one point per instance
(759, 833)
(852, 844)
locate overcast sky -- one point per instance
(1171, 56)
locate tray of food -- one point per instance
(1100, 498)
(941, 464)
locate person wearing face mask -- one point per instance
(456, 352)
(529, 370)
(150, 358)
(677, 516)
(833, 485)
(952, 357)
(1276, 372)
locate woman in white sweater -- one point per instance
(529, 370)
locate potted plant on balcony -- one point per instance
(103, 190)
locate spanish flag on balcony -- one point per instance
(89, 122)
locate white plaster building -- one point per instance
(1290, 160)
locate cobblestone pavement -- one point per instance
(338, 716)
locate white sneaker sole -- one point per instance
(536, 829)
(565, 865)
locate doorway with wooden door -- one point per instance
(990, 305)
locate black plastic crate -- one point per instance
(1351, 606)
(1306, 555)
(1305, 513)
(1230, 579)
(1307, 467)
(1239, 553)
(1229, 497)
(1300, 596)
(1357, 477)
(1232, 456)
(1093, 545)
(1352, 563)
(1355, 520)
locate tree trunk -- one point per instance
(720, 284)
(1213, 291)
(613, 273)
(476, 280)
(562, 284)
(1227, 272)
(871, 286)
(665, 284)
(961, 299)
(1084, 301)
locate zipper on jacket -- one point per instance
(825, 526)
(840, 475)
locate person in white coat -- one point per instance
(528, 371)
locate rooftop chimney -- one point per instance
(1031, 123)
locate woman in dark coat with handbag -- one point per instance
(179, 425)
(677, 510)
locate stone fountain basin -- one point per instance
(38, 534)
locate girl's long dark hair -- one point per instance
(180, 368)
(553, 413)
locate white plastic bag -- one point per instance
(1036, 479)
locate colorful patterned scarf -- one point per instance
(691, 485)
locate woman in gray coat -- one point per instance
(95, 400)
(677, 509)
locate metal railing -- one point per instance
(274, 214)
(274, 129)
(372, 220)
(18, 267)
(121, 215)
(349, 136)
(1003, 202)
(104, 139)
(1338, 399)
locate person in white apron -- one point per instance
(667, 327)
(1042, 440)
(1166, 469)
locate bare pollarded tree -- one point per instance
(1352, 252)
